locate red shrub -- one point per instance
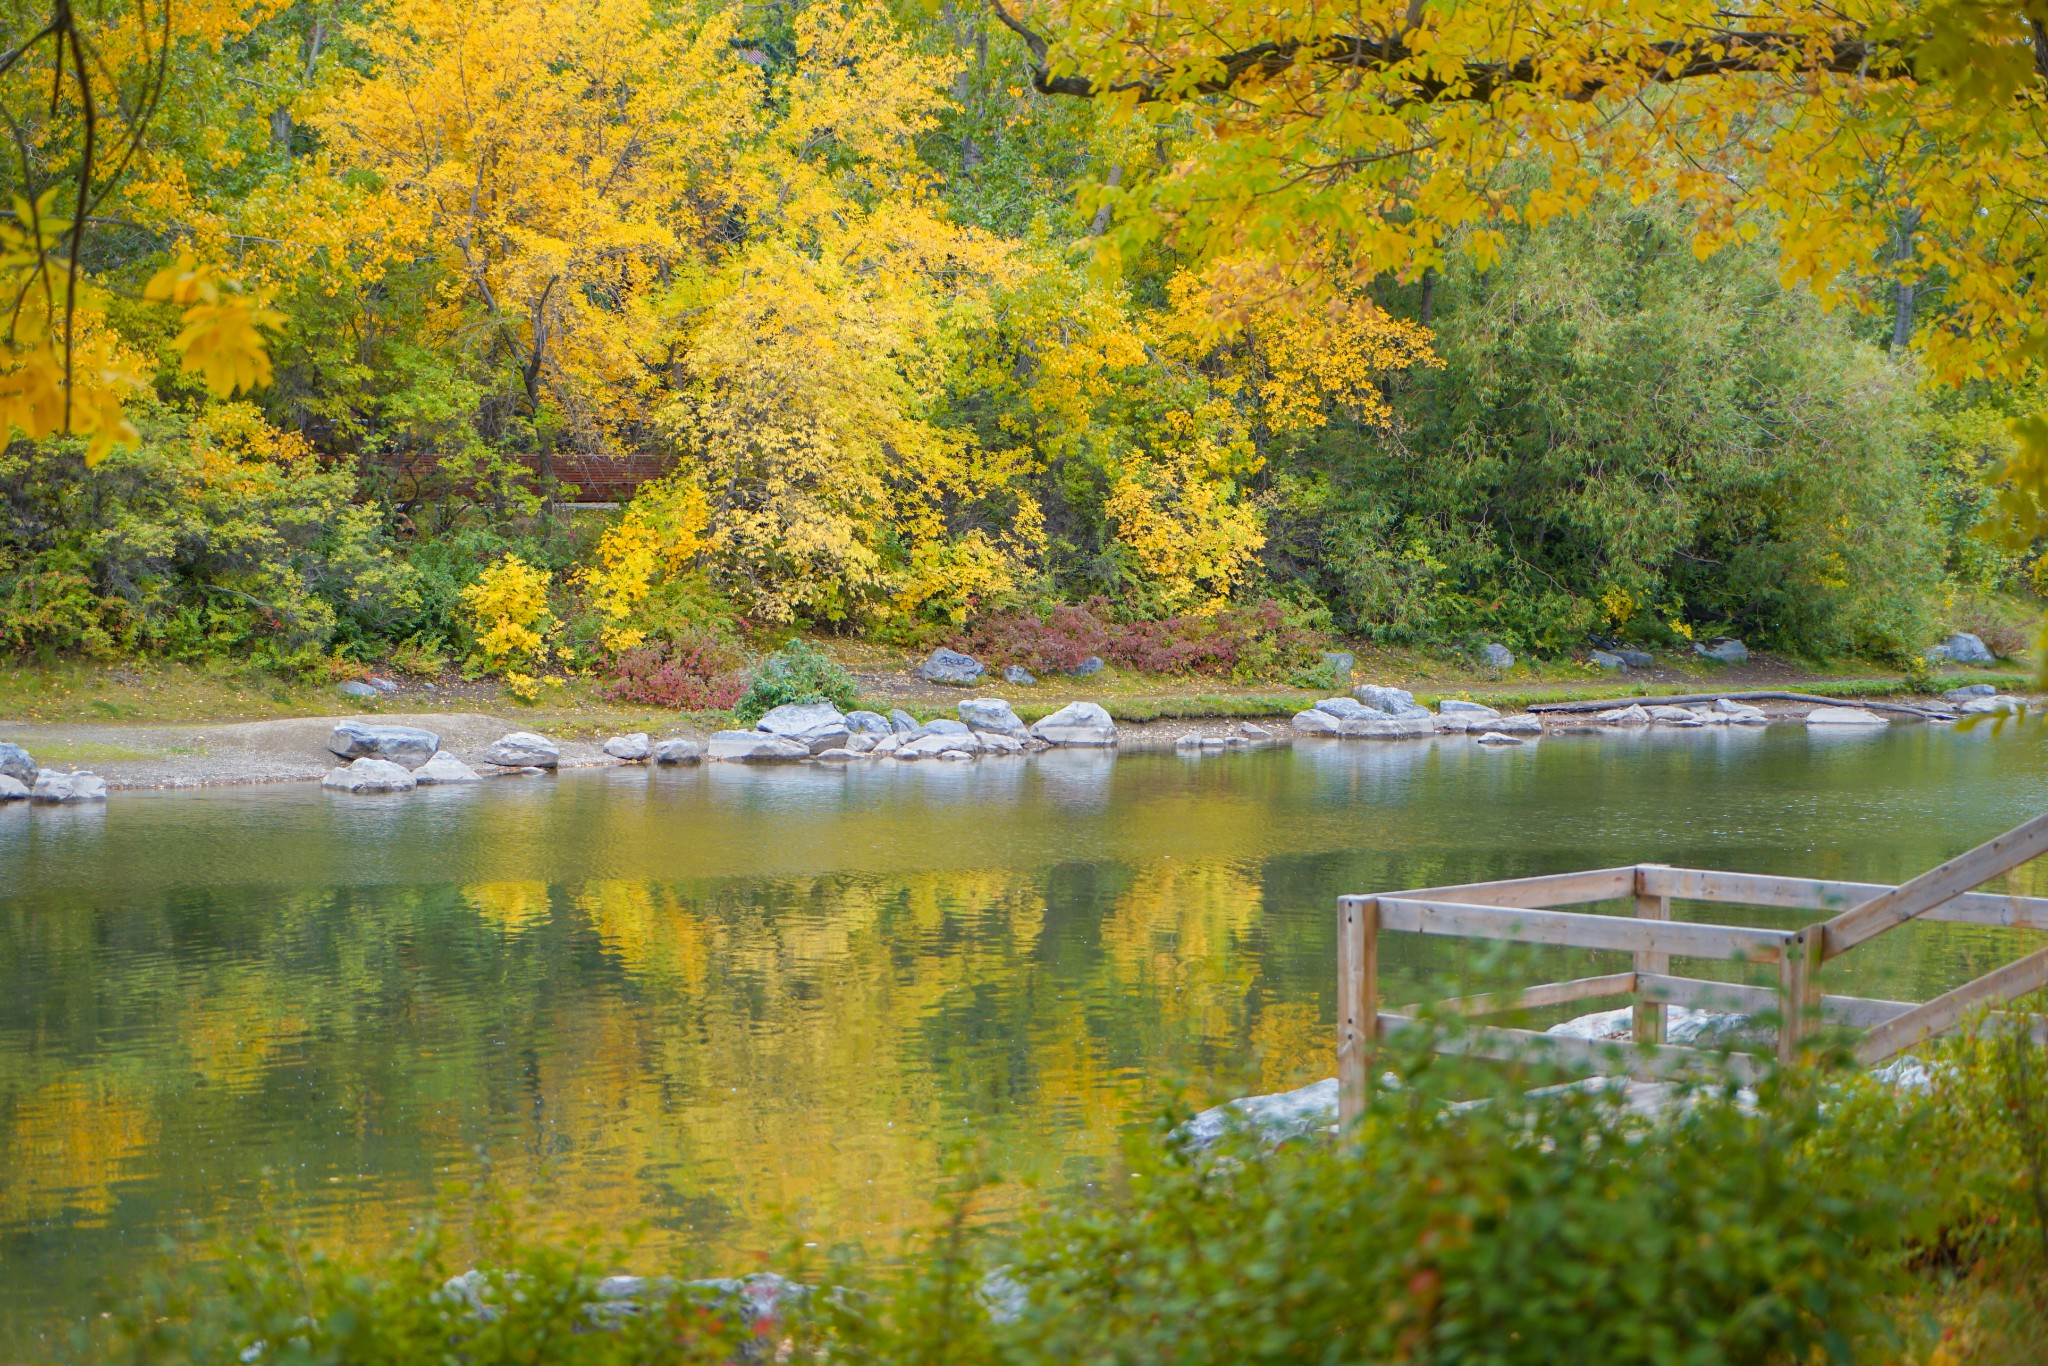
(1257, 638)
(686, 675)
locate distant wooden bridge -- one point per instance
(1523, 910)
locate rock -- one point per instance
(1392, 701)
(1606, 660)
(1494, 737)
(17, 763)
(991, 713)
(405, 745)
(1683, 1026)
(1316, 721)
(902, 722)
(1346, 708)
(801, 718)
(951, 668)
(1952, 695)
(1077, 723)
(838, 756)
(632, 748)
(1494, 655)
(995, 742)
(1633, 658)
(1632, 715)
(381, 684)
(1675, 714)
(679, 751)
(1723, 651)
(1519, 723)
(1379, 726)
(1707, 716)
(69, 789)
(370, 775)
(356, 688)
(1273, 1119)
(1748, 716)
(1963, 648)
(521, 772)
(1843, 716)
(1987, 706)
(1254, 732)
(1453, 705)
(932, 745)
(755, 746)
(523, 749)
(1087, 668)
(1340, 664)
(1188, 741)
(1019, 676)
(888, 744)
(860, 742)
(867, 723)
(12, 789)
(955, 754)
(943, 725)
(444, 768)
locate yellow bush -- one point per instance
(661, 534)
(508, 607)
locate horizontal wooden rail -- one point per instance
(1535, 998)
(1551, 889)
(1667, 1063)
(1579, 930)
(1820, 894)
(1946, 1011)
(1858, 1012)
(1935, 887)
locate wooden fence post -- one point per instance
(1649, 1016)
(1358, 1002)
(1798, 989)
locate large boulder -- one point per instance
(902, 722)
(523, 749)
(991, 713)
(867, 723)
(1722, 651)
(1272, 1120)
(1451, 706)
(1496, 737)
(357, 688)
(1380, 726)
(800, 718)
(951, 668)
(370, 775)
(1952, 695)
(1991, 706)
(1606, 659)
(12, 789)
(17, 763)
(1316, 721)
(1087, 668)
(1520, 723)
(678, 751)
(755, 746)
(936, 743)
(408, 746)
(1392, 701)
(632, 748)
(1963, 648)
(1631, 715)
(1494, 655)
(1078, 723)
(444, 768)
(1843, 716)
(67, 789)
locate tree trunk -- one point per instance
(1111, 181)
(1904, 291)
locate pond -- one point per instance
(745, 1005)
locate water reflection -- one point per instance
(734, 1000)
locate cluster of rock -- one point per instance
(1373, 712)
(1724, 712)
(401, 758)
(21, 779)
(1981, 699)
(1247, 736)
(369, 688)
(987, 725)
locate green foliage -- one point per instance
(798, 672)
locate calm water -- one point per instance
(739, 1003)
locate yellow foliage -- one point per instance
(1177, 510)
(508, 605)
(661, 534)
(220, 340)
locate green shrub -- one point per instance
(798, 672)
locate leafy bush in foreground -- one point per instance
(798, 672)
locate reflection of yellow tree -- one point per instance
(511, 906)
(69, 1144)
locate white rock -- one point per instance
(1671, 714)
(1494, 737)
(933, 745)
(1392, 701)
(1083, 724)
(632, 748)
(1632, 715)
(991, 714)
(1275, 1118)
(838, 756)
(1451, 705)
(370, 775)
(1843, 716)
(407, 745)
(1519, 723)
(888, 744)
(1728, 706)
(70, 789)
(860, 742)
(1253, 732)
(800, 718)
(523, 749)
(678, 751)
(755, 746)
(1707, 716)
(444, 768)
(955, 754)
(995, 742)
(1384, 727)
(1985, 706)
(12, 789)
(1316, 721)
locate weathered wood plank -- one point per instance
(1648, 1021)
(1551, 889)
(1950, 1009)
(1821, 894)
(1937, 885)
(1857, 1012)
(1535, 998)
(1606, 1059)
(1798, 991)
(1579, 930)
(1357, 1002)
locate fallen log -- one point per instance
(1687, 699)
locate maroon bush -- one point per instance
(679, 675)
(1247, 639)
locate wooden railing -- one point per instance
(1524, 910)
